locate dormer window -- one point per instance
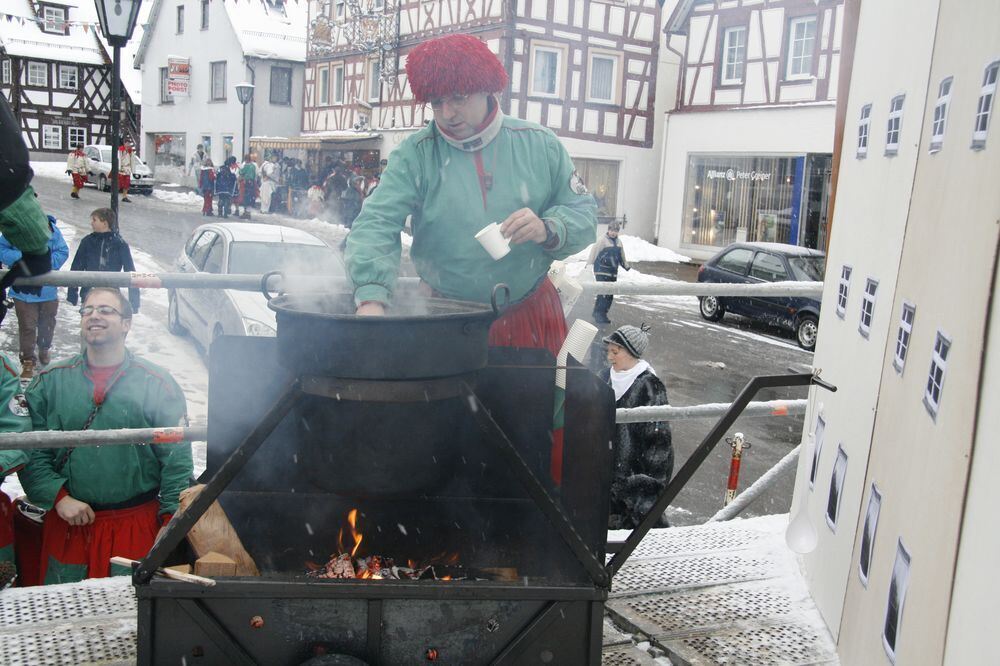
(54, 20)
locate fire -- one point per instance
(352, 518)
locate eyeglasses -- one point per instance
(454, 101)
(105, 310)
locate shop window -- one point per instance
(935, 377)
(68, 77)
(180, 19)
(867, 307)
(734, 55)
(940, 114)
(863, 128)
(204, 14)
(602, 77)
(323, 96)
(77, 136)
(338, 84)
(894, 125)
(169, 151)
(546, 70)
(38, 74)
(731, 197)
(227, 147)
(6, 72)
(903, 336)
(843, 288)
(985, 105)
(218, 92)
(898, 585)
(165, 96)
(374, 80)
(54, 20)
(818, 435)
(836, 488)
(601, 178)
(801, 47)
(51, 137)
(868, 535)
(281, 85)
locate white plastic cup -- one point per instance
(568, 288)
(578, 340)
(493, 241)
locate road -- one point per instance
(699, 361)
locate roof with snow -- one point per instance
(21, 34)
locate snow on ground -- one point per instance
(51, 170)
(185, 197)
(637, 249)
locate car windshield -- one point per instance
(106, 155)
(256, 257)
(808, 269)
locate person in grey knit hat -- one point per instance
(643, 452)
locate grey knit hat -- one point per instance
(634, 340)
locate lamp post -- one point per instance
(244, 91)
(118, 19)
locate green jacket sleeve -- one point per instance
(571, 207)
(13, 418)
(39, 478)
(176, 465)
(373, 246)
(25, 225)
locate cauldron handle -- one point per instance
(498, 308)
(263, 283)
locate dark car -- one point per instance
(751, 263)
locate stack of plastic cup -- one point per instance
(568, 288)
(578, 340)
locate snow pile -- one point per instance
(636, 249)
(51, 170)
(184, 198)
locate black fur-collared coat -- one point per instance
(643, 455)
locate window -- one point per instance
(227, 146)
(165, 97)
(935, 378)
(68, 76)
(38, 74)
(338, 84)
(198, 250)
(893, 125)
(601, 177)
(281, 85)
(842, 290)
(801, 46)
(218, 93)
(985, 105)
(817, 447)
(546, 68)
(374, 80)
(51, 137)
(863, 126)
(180, 19)
(868, 307)
(602, 78)
(768, 267)
(54, 20)
(734, 55)
(338, 9)
(836, 488)
(897, 596)
(213, 262)
(204, 14)
(940, 115)
(323, 94)
(736, 260)
(868, 536)
(6, 72)
(77, 136)
(903, 335)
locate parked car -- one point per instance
(241, 248)
(750, 263)
(99, 168)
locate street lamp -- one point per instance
(244, 91)
(118, 19)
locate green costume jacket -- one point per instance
(14, 415)
(451, 194)
(139, 395)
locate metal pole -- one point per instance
(710, 410)
(757, 488)
(243, 141)
(738, 445)
(115, 122)
(54, 439)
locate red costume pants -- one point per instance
(206, 207)
(124, 182)
(78, 181)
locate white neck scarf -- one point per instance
(622, 381)
(482, 137)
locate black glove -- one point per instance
(28, 265)
(68, 172)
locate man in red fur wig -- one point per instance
(470, 167)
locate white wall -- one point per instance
(789, 130)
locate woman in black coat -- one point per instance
(643, 452)
(103, 250)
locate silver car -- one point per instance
(241, 248)
(99, 166)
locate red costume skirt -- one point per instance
(6, 528)
(535, 322)
(124, 182)
(71, 554)
(78, 181)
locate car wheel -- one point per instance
(173, 315)
(102, 183)
(711, 308)
(806, 331)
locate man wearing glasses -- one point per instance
(107, 500)
(471, 167)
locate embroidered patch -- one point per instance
(18, 405)
(576, 184)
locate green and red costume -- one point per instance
(13, 418)
(133, 489)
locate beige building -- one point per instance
(895, 475)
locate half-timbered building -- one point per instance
(749, 146)
(56, 72)
(590, 71)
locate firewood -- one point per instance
(214, 533)
(214, 564)
(182, 568)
